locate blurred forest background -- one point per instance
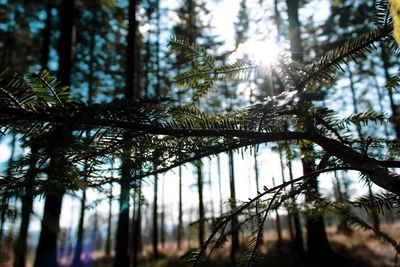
(106, 201)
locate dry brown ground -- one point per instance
(360, 245)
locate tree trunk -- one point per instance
(319, 249)
(46, 253)
(26, 210)
(343, 226)
(155, 219)
(180, 214)
(122, 242)
(121, 248)
(277, 222)
(137, 227)
(162, 226)
(234, 221)
(47, 247)
(27, 199)
(289, 212)
(78, 248)
(201, 203)
(79, 240)
(108, 239)
(131, 54)
(256, 175)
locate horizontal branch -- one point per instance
(374, 169)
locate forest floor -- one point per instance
(361, 249)
(358, 250)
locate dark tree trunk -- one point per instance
(155, 219)
(259, 217)
(21, 244)
(201, 203)
(122, 241)
(277, 222)
(108, 239)
(162, 223)
(289, 212)
(131, 53)
(343, 226)
(46, 253)
(121, 248)
(137, 227)
(234, 221)
(180, 214)
(26, 210)
(79, 240)
(319, 249)
(27, 199)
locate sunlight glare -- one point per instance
(264, 52)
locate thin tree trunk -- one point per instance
(131, 54)
(343, 226)
(180, 215)
(289, 213)
(21, 244)
(201, 203)
(234, 221)
(79, 241)
(155, 219)
(26, 210)
(298, 243)
(256, 175)
(108, 238)
(162, 226)
(277, 222)
(136, 227)
(78, 248)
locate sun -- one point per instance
(263, 52)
